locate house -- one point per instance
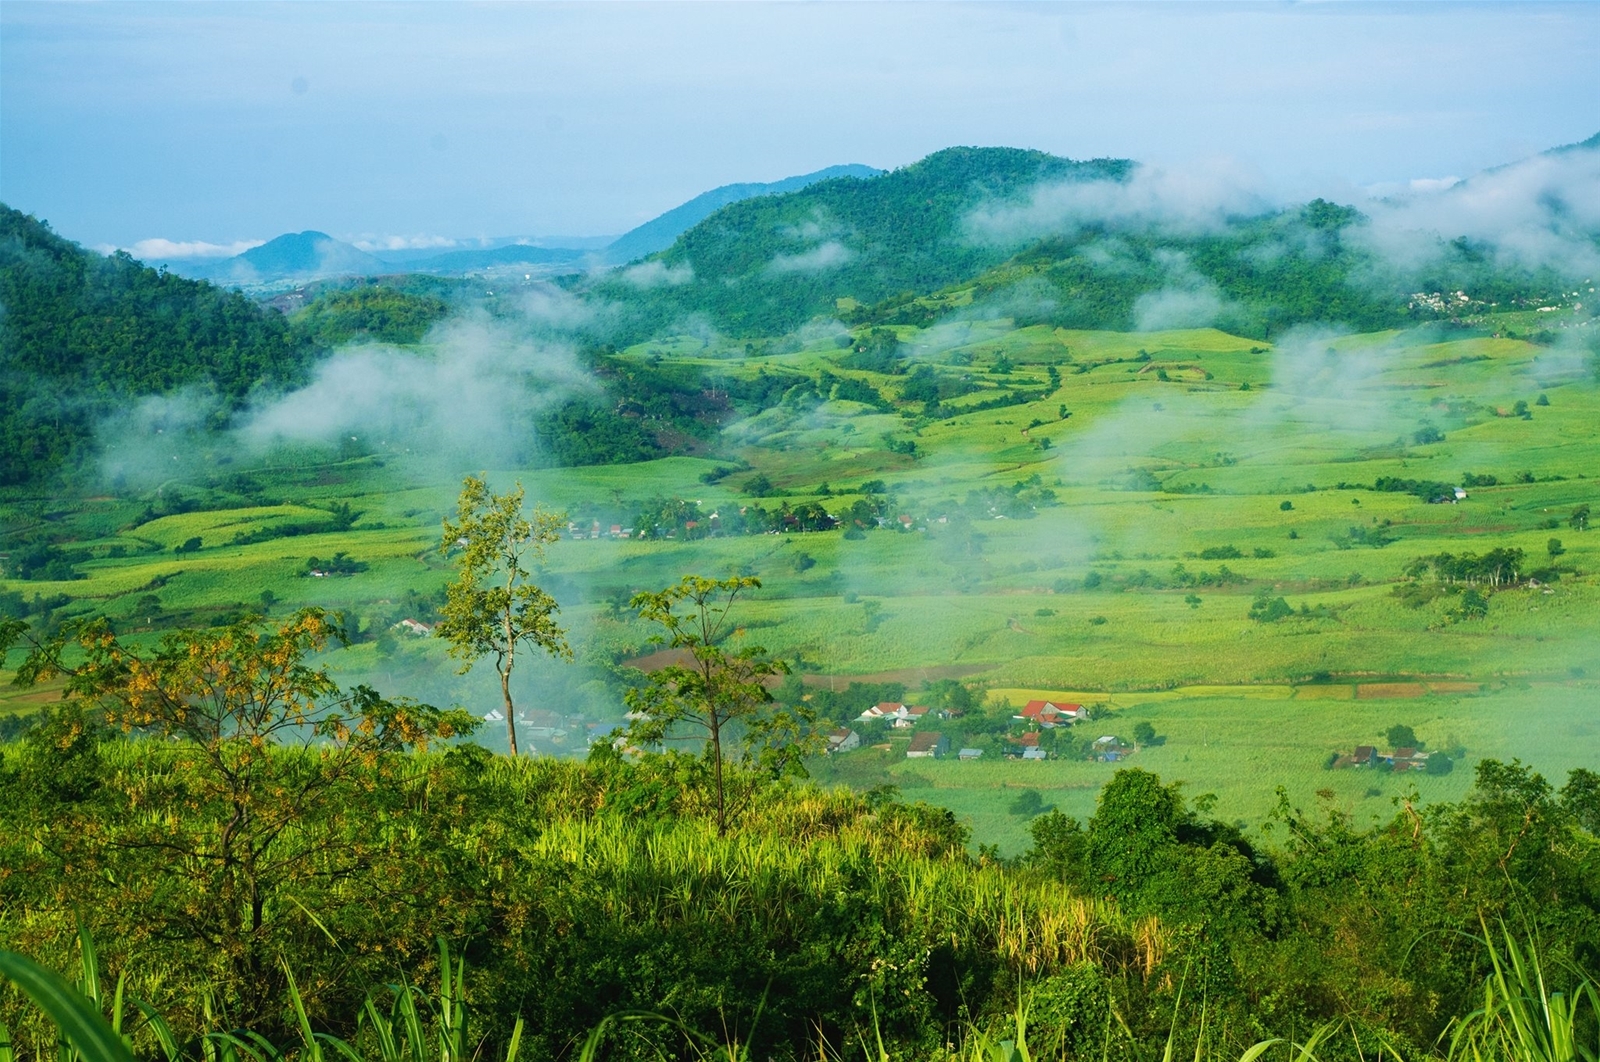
(1109, 749)
(927, 745)
(494, 715)
(616, 531)
(411, 626)
(1053, 714)
(843, 740)
(969, 754)
(900, 716)
(1033, 754)
(1365, 756)
(1408, 759)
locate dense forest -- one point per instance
(893, 249)
(279, 875)
(83, 334)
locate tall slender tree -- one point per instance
(719, 689)
(493, 606)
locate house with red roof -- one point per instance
(899, 715)
(1053, 713)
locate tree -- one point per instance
(719, 691)
(1579, 520)
(1144, 733)
(1554, 548)
(258, 821)
(1400, 736)
(493, 606)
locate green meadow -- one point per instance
(1104, 539)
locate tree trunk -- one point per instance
(511, 716)
(716, 756)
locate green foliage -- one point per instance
(763, 266)
(1401, 736)
(84, 334)
(1265, 609)
(340, 563)
(718, 692)
(369, 311)
(493, 606)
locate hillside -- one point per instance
(1107, 244)
(767, 264)
(83, 334)
(660, 232)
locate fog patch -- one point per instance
(1542, 212)
(824, 256)
(656, 274)
(159, 437)
(1198, 200)
(468, 398)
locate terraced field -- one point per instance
(1109, 537)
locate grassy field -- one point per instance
(1170, 479)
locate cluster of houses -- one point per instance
(1039, 715)
(580, 532)
(1405, 759)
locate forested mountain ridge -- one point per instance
(660, 232)
(767, 264)
(83, 333)
(1106, 243)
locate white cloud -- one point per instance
(160, 250)
(657, 274)
(1542, 211)
(1187, 307)
(824, 256)
(1195, 200)
(369, 242)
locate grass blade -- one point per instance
(81, 1025)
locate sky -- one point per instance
(209, 126)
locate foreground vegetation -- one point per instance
(252, 847)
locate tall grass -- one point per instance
(1523, 1018)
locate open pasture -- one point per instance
(1170, 481)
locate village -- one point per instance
(1036, 732)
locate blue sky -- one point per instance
(218, 123)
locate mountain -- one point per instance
(542, 259)
(764, 265)
(659, 233)
(83, 335)
(306, 255)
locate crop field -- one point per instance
(1109, 535)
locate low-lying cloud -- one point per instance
(824, 256)
(471, 394)
(467, 397)
(1192, 201)
(656, 274)
(161, 250)
(421, 242)
(1542, 212)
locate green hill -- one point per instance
(83, 333)
(905, 248)
(658, 233)
(767, 264)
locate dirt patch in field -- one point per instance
(1456, 687)
(659, 659)
(1371, 691)
(1324, 693)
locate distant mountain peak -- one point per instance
(659, 233)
